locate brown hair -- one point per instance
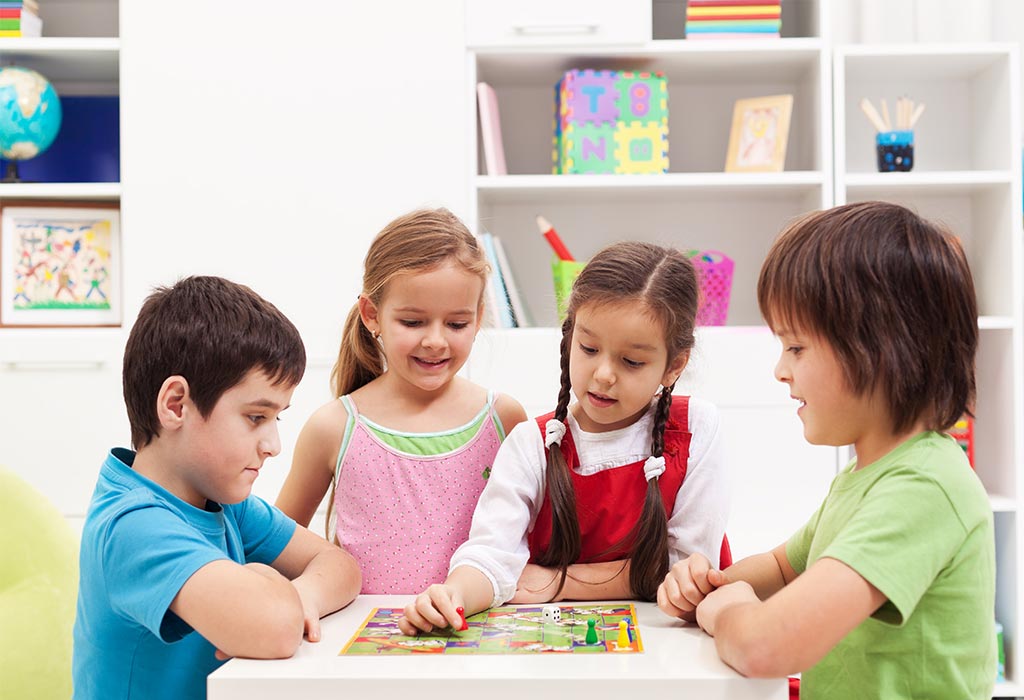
(662, 283)
(212, 332)
(892, 294)
(419, 241)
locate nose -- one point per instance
(270, 443)
(782, 373)
(604, 372)
(433, 337)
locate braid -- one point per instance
(566, 544)
(660, 418)
(649, 558)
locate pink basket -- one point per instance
(715, 272)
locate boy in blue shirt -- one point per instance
(181, 567)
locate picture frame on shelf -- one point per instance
(760, 132)
(60, 264)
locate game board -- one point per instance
(510, 629)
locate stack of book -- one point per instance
(733, 19)
(20, 18)
(503, 305)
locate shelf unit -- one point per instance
(80, 54)
(967, 174)
(695, 205)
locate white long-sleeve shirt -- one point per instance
(512, 498)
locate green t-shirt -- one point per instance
(917, 525)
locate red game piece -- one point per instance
(462, 614)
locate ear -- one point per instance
(172, 402)
(675, 368)
(368, 315)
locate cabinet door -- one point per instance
(566, 22)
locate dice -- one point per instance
(551, 613)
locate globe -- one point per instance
(30, 116)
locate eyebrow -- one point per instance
(635, 346)
(417, 310)
(267, 403)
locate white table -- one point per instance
(678, 659)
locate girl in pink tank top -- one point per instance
(407, 449)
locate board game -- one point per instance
(509, 629)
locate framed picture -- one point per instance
(760, 129)
(60, 264)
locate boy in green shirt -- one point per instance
(888, 591)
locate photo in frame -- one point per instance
(60, 264)
(760, 130)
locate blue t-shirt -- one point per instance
(140, 544)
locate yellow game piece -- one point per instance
(623, 640)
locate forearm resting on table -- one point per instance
(333, 578)
(765, 572)
(474, 587)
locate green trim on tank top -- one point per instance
(428, 444)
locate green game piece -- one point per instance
(591, 631)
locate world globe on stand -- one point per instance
(30, 116)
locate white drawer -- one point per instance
(545, 22)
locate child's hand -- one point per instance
(435, 607)
(536, 584)
(310, 610)
(686, 585)
(715, 602)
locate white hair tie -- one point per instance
(654, 467)
(554, 430)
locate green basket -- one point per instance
(564, 273)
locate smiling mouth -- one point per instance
(431, 363)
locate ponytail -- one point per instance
(360, 359)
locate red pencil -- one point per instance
(548, 231)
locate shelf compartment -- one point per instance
(704, 81)
(968, 122)
(740, 224)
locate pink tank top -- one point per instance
(401, 515)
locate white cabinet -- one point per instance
(694, 206)
(62, 385)
(966, 174)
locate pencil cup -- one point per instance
(895, 151)
(714, 272)
(564, 273)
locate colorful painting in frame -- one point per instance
(60, 264)
(760, 130)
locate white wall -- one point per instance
(267, 144)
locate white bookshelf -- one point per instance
(966, 174)
(694, 206)
(64, 381)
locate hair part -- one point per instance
(892, 294)
(212, 332)
(662, 283)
